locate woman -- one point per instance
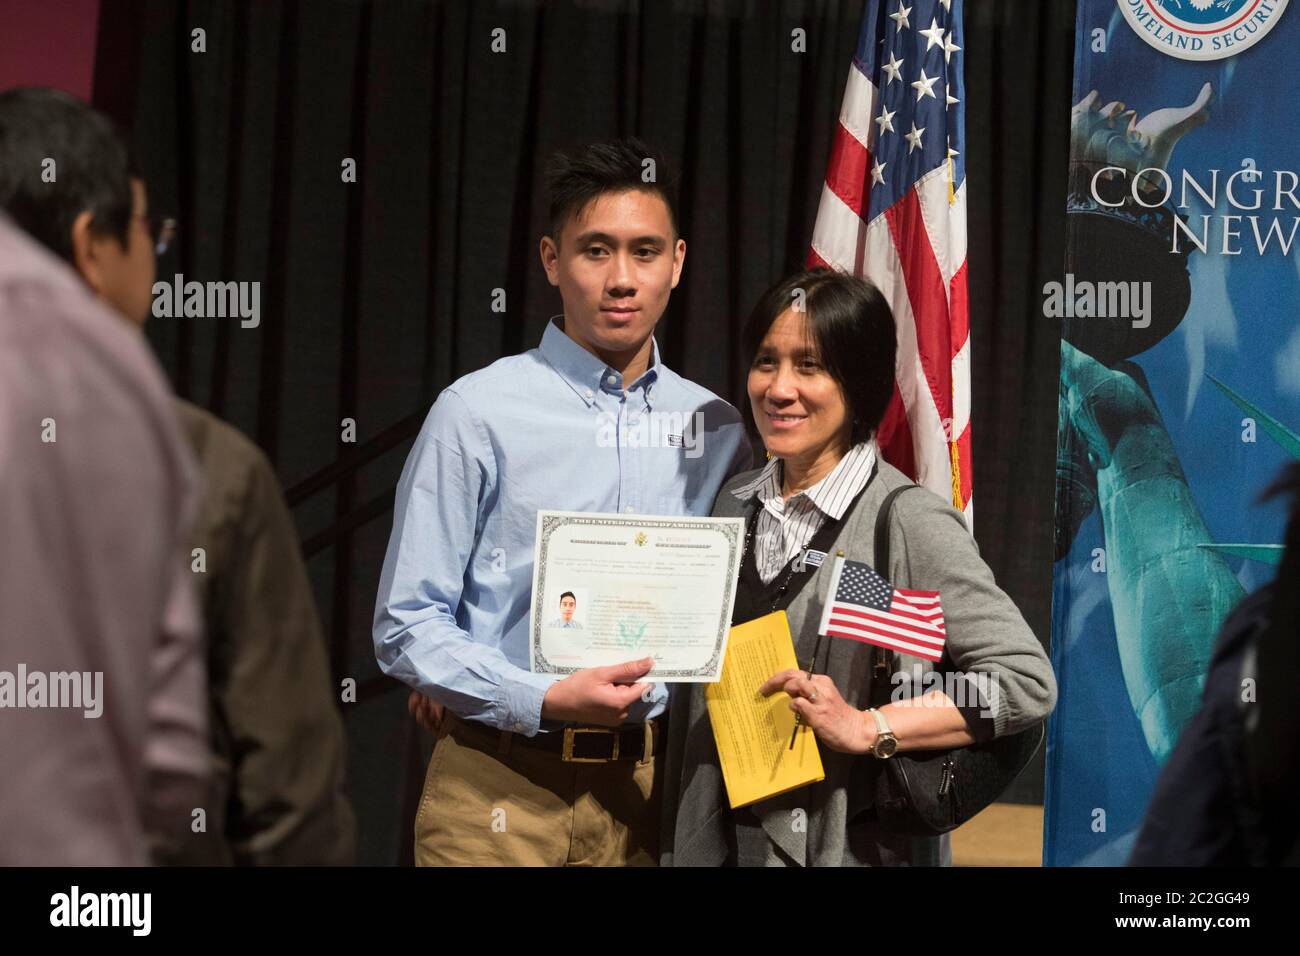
(821, 350)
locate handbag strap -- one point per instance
(916, 791)
(880, 657)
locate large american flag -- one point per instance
(893, 210)
(865, 607)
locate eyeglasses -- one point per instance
(162, 232)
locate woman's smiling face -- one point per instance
(798, 406)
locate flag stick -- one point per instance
(812, 666)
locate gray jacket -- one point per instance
(930, 548)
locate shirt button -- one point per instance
(612, 380)
(519, 728)
(590, 393)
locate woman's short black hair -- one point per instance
(576, 176)
(93, 167)
(853, 328)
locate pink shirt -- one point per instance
(93, 580)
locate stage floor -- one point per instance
(1005, 834)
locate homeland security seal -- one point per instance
(1202, 29)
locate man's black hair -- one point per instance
(569, 594)
(578, 175)
(93, 167)
(853, 329)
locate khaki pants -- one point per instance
(491, 801)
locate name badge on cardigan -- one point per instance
(809, 559)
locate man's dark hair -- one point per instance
(853, 328)
(569, 594)
(94, 166)
(576, 176)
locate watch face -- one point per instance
(886, 745)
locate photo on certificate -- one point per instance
(610, 588)
(570, 610)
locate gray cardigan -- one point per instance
(930, 548)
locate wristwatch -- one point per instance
(886, 743)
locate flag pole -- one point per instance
(812, 665)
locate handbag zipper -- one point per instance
(945, 780)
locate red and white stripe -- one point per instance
(912, 625)
(915, 253)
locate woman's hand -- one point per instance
(836, 723)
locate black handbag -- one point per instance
(929, 792)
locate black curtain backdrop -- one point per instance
(377, 294)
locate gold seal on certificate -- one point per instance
(609, 588)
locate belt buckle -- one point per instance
(569, 732)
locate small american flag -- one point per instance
(893, 211)
(865, 607)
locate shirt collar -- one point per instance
(831, 495)
(585, 373)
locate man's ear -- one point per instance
(679, 259)
(85, 252)
(550, 255)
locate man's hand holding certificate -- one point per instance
(609, 588)
(597, 695)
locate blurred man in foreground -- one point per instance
(277, 794)
(102, 724)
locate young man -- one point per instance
(523, 772)
(277, 748)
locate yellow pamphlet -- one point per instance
(753, 732)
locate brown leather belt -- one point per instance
(583, 743)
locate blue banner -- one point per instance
(1180, 382)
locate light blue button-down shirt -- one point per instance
(554, 429)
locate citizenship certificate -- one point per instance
(610, 588)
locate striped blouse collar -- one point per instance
(831, 495)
